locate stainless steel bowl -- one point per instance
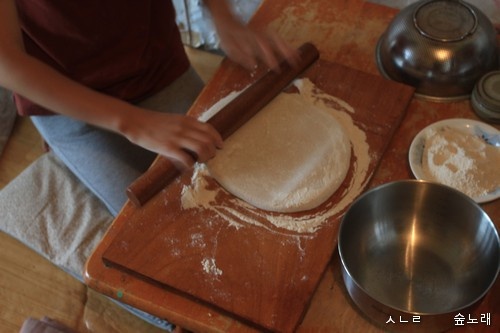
(414, 249)
(440, 47)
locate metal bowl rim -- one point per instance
(425, 97)
(415, 181)
(462, 93)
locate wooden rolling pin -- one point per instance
(226, 121)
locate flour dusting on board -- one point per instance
(198, 195)
(210, 266)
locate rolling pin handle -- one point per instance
(159, 175)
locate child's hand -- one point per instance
(248, 47)
(182, 139)
(245, 45)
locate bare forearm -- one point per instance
(167, 134)
(48, 88)
(45, 86)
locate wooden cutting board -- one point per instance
(263, 276)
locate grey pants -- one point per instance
(105, 162)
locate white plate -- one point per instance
(467, 125)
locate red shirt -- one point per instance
(129, 49)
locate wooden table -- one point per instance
(345, 33)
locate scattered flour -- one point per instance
(461, 160)
(199, 195)
(210, 267)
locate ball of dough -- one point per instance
(290, 157)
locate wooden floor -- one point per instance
(30, 286)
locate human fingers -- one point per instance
(189, 127)
(185, 152)
(265, 51)
(209, 130)
(272, 50)
(182, 139)
(249, 47)
(200, 151)
(276, 50)
(181, 158)
(287, 51)
(241, 51)
(200, 140)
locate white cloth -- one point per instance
(50, 211)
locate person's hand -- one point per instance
(182, 139)
(248, 46)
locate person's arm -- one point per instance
(245, 45)
(167, 134)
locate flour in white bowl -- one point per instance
(461, 160)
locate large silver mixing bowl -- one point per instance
(415, 248)
(440, 47)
